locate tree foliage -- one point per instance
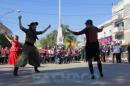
(67, 36)
(50, 39)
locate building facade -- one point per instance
(117, 29)
(3, 41)
(4, 29)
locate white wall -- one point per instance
(107, 30)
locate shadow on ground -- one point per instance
(115, 75)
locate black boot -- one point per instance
(100, 69)
(92, 76)
(36, 69)
(101, 75)
(15, 73)
(91, 71)
(91, 68)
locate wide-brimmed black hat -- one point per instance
(89, 22)
(33, 23)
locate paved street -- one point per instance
(73, 74)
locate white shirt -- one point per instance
(117, 49)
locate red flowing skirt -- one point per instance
(12, 58)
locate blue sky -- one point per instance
(73, 13)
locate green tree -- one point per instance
(68, 36)
(50, 39)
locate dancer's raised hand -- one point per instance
(49, 26)
(69, 30)
(102, 27)
(20, 17)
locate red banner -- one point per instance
(106, 40)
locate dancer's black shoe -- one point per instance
(101, 75)
(36, 70)
(15, 73)
(92, 77)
